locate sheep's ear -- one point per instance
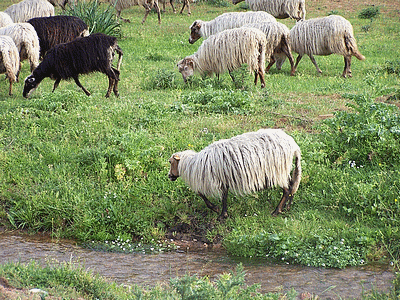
(197, 24)
(190, 62)
(176, 157)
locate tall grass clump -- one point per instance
(96, 17)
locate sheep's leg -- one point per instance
(261, 74)
(110, 86)
(347, 64)
(224, 213)
(116, 72)
(271, 63)
(315, 63)
(148, 9)
(172, 5)
(282, 203)
(210, 205)
(255, 77)
(56, 83)
(186, 3)
(299, 57)
(230, 74)
(10, 88)
(289, 55)
(120, 54)
(158, 11)
(78, 83)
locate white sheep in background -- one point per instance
(9, 60)
(325, 36)
(227, 51)
(5, 19)
(278, 39)
(26, 40)
(120, 5)
(229, 20)
(244, 164)
(27, 9)
(281, 9)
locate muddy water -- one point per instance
(148, 269)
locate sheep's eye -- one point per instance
(31, 80)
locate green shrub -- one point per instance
(392, 67)
(161, 80)
(97, 18)
(371, 132)
(369, 13)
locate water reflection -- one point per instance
(145, 269)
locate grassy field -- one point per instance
(92, 168)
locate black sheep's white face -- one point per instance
(30, 84)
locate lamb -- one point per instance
(27, 9)
(227, 51)
(278, 39)
(26, 40)
(120, 5)
(324, 36)
(281, 9)
(5, 19)
(57, 29)
(243, 164)
(84, 55)
(229, 20)
(9, 60)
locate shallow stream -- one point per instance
(150, 269)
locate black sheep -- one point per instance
(85, 55)
(56, 30)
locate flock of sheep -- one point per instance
(243, 164)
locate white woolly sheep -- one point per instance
(27, 9)
(325, 36)
(9, 60)
(244, 164)
(278, 41)
(147, 4)
(227, 51)
(5, 19)
(229, 20)
(26, 40)
(184, 4)
(281, 9)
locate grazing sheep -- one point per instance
(26, 40)
(84, 55)
(278, 39)
(244, 164)
(324, 36)
(147, 4)
(229, 20)
(9, 60)
(5, 19)
(185, 3)
(227, 51)
(28, 9)
(57, 29)
(281, 9)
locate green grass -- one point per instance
(92, 168)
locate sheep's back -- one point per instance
(27, 9)
(5, 19)
(9, 58)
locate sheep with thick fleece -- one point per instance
(28, 9)
(281, 9)
(325, 36)
(278, 41)
(147, 4)
(93, 53)
(229, 20)
(57, 29)
(5, 19)
(9, 60)
(26, 40)
(244, 164)
(227, 51)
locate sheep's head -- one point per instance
(173, 171)
(186, 67)
(31, 83)
(195, 31)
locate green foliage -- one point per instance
(218, 3)
(96, 17)
(392, 67)
(161, 80)
(368, 133)
(369, 13)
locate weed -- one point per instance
(369, 13)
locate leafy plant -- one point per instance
(97, 18)
(369, 13)
(161, 80)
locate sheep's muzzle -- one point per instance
(172, 177)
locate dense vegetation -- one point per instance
(91, 168)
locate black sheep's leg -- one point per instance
(282, 203)
(56, 83)
(209, 204)
(78, 83)
(116, 72)
(110, 86)
(224, 213)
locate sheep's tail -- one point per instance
(296, 175)
(351, 46)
